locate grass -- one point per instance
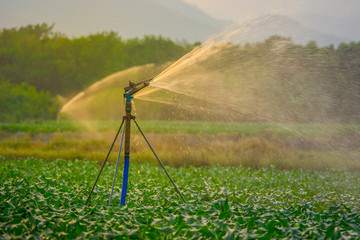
(40, 199)
(180, 143)
(190, 127)
(240, 180)
(180, 150)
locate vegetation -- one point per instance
(297, 83)
(272, 81)
(36, 56)
(257, 180)
(52, 62)
(57, 65)
(183, 143)
(46, 200)
(20, 102)
(189, 127)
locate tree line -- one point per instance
(40, 63)
(306, 83)
(329, 79)
(36, 64)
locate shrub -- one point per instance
(20, 102)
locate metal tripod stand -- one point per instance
(129, 92)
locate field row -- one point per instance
(46, 200)
(190, 127)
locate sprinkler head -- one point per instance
(135, 87)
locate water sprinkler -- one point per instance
(128, 95)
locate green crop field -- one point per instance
(262, 138)
(241, 181)
(45, 200)
(191, 127)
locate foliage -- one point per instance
(295, 74)
(184, 143)
(301, 83)
(46, 200)
(189, 127)
(35, 56)
(22, 102)
(51, 61)
(271, 81)
(322, 70)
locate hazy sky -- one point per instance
(340, 18)
(240, 10)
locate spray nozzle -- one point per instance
(135, 87)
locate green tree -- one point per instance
(50, 61)
(20, 102)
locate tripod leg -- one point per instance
(102, 167)
(160, 162)
(117, 165)
(126, 159)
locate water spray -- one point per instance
(126, 121)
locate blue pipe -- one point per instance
(125, 181)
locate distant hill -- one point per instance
(337, 17)
(169, 18)
(337, 25)
(327, 22)
(262, 28)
